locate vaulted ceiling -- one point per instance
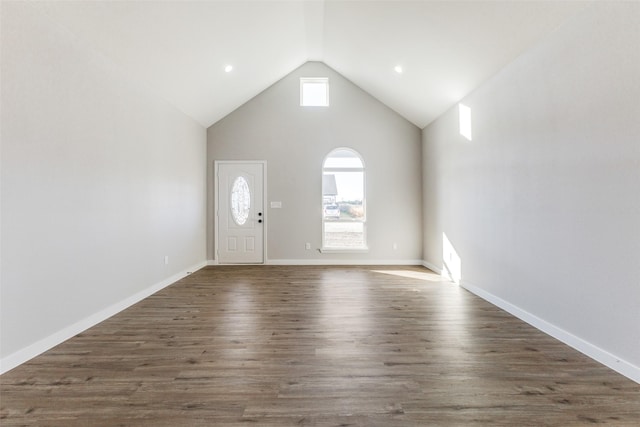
(179, 49)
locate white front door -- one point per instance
(241, 216)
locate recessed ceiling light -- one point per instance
(228, 68)
(398, 69)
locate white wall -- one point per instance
(294, 141)
(543, 206)
(99, 182)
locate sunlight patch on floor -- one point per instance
(429, 276)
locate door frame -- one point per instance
(216, 164)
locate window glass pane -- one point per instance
(343, 162)
(343, 201)
(314, 94)
(240, 200)
(314, 91)
(345, 189)
(344, 235)
(343, 159)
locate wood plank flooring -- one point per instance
(315, 346)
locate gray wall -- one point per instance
(543, 206)
(99, 182)
(294, 141)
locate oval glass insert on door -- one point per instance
(240, 200)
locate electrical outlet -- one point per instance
(395, 246)
(166, 259)
(307, 246)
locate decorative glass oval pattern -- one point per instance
(240, 200)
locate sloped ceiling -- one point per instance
(178, 49)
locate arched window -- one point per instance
(343, 201)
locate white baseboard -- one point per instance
(21, 356)
(621, 366)
(334, 262)
(432, 267)
(344, 262)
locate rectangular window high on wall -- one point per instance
(343, 202)
(314, 91)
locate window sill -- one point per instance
(344, 251)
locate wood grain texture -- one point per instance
(315, 346)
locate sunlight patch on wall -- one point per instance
(465, 121)
(452, 265)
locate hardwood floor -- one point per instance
(317, 346)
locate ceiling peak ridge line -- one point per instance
(314, 12)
